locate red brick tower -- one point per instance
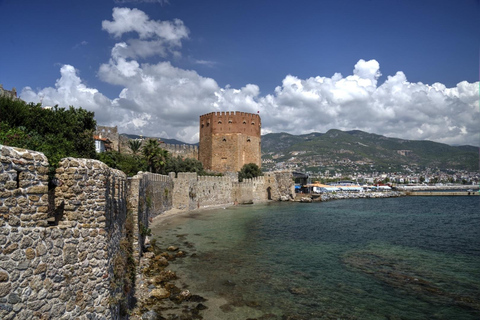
(228, 140)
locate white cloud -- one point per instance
(155, 37)
(396, 108)
(160, 99)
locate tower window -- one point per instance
(224, 139)
(253, 123)
(248, 140)
(230, 121)
(219, 121)
(244, 122)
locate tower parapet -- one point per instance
(229, 139)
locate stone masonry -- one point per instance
(61, 271)
(65, 252)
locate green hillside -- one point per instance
(360, 150)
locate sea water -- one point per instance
(395, 258)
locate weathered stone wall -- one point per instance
(181, 150)
(279, 185)
(149, 195)
(184, 191)
(61, 271)
(192, 191)
(72, 261)
(211, 191)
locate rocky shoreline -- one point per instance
(159, 293)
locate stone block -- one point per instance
(34, 198)
(42, 209)
(3, 276)
(70, 254)
(5, 289)
(41, 268)
(40, 216)
(37, 190)
(30, 253)
(10, 248)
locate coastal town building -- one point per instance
(229, 140)
(107, 139)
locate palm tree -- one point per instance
(135, 145)
(150, 151)
(156, 157)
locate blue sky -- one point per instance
(406, 69)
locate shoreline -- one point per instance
(174, 212)
(171, 296)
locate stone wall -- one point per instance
(66, 252)
(181, 150)
(149, 195)
(59, 264)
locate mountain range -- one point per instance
(360, 150)
(357, 150)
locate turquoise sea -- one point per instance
(395, 258)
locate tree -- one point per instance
(134, 145)
(130, 164)
(177, 164)
(57, 132)
(248, 171)
(155, 156)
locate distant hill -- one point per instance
(360, 150)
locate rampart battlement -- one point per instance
(155, 177)
(214, 178)
(229, 113)
(179, 147)
(181, 150)
(231, 122)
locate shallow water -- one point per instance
(396, 258)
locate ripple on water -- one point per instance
(400, 258)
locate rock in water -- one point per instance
(160, 293)
(150, 315)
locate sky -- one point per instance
(400, 68)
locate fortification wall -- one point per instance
(66, 270)
(212, 191)
(181, 150)
(72, 260)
